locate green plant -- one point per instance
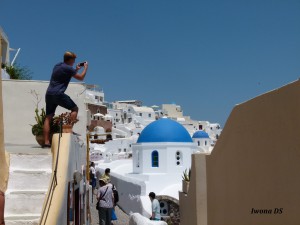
(187, 175)
(169, 221)
(18, 72)
(37, 129)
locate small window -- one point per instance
(141, 114)
(150, 115)
(205, 143)
(125, 150)
(198, 143)
(155, 159)
(98, 111)
(178, 158)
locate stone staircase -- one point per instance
(29, 176)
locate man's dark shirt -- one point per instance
(60, 79)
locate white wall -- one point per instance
(167, 157)
(204, 142)
(19, 106)
(5, 75)
(119, 145)
(130, 190)
(116, 114)
(94, 97)
(143, 112)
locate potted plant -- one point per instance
(67, 122)
(37, 129)
(186, 181)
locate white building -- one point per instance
(142, 115)
(203, 141)
(94, 95)
(172, 111)
(116, 116)
(163, 147)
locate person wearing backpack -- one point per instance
(105, 203)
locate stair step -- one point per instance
(24, 219)
(26, 192)
(29, 179)
(30, 162)
(24, 202)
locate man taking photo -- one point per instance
(55, 95)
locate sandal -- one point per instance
(46, 146)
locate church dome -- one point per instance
(200, 134)
(164, 130)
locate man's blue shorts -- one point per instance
(63, 100)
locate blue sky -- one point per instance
(206, 56)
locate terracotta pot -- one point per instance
(40, 139)
(185, 186)
(67, 128)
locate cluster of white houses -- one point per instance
(147, 148)
(121, 122)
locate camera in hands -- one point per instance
(81, 64)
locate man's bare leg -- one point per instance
(74, 114)
(46, 129)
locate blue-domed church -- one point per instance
(203, 141)
(164, 146)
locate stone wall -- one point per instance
(174, 212)
(252, 175)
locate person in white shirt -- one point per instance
(155, 207)
(106, 202)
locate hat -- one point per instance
(104, 180)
